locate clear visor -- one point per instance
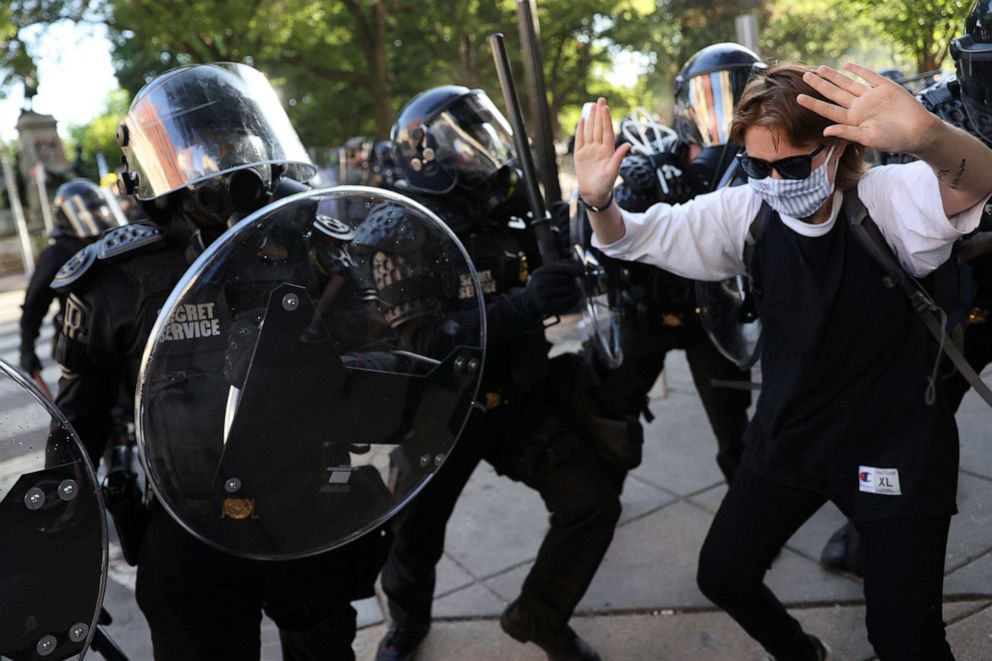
(705, 108)
(473, 139)
(202, 121)
(89, 215)
(974, 64)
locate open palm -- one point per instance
(597, 159)
(876, 113)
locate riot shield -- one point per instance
(601, 311)
(726, 308)
(319, 345)
(53, 536)
(727, 312)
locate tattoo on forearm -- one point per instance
(956, 180)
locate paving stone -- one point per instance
(367, 641)
(971, 529)
(496, 524)
(971, 638)
(450, 576)
(710, 499)
(811, 537)
(652, 562)
(679, 447)
(472, 601)
(976, 433)
(369, 612)
(639, 497)
(974, 578)
(796, 579)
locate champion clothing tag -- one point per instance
(883, 481)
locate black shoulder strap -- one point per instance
(871, 239)
(754, 234)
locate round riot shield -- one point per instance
(600, 286)
(53, 536)
(310, 372)
(727, 312)
(726, 308)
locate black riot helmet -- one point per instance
(972, 53)
(389, 245)
(451, 136)
(215, 136)
(81, 210)
(707, 91)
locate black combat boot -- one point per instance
(401, 641)
(843, 551)
(558, 641)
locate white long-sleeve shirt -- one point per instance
(703, 239)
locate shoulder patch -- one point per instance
(74, 269)
(122, 240)
(76, 322)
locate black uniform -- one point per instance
(659, 316)
(39, 295)
(523, 429)
(200, 603)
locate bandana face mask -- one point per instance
(796, 198)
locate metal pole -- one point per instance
(27, 251)
(545, 242)
(544, 137)
(747, 31)
(46, 208)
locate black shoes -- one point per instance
(843, 551)
(401, 641)
(558, 641)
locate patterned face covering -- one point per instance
(796, 198)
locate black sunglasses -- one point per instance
(793, 167)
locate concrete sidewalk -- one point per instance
(644, 603)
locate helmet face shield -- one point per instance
(88, 218)
(198, 122)
(704, 105)
(974, 67)
(82, 209)
(473, 139)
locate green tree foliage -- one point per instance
(100, 135)
(920, 29)
(18, 18)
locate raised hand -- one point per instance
(597, 160)
(877, 113)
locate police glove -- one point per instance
(552, 289)
(29, 361)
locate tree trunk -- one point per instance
(379, 74)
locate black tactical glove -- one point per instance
(552, 289)
(29, 361)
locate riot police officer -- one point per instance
(204, 145)
(660, 307)
(454, 152)
(81, 215)
(963, 100)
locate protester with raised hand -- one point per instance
(843, 413)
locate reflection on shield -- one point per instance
(601, 312)
(730, 319)
(314, 346)
(53, 536)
